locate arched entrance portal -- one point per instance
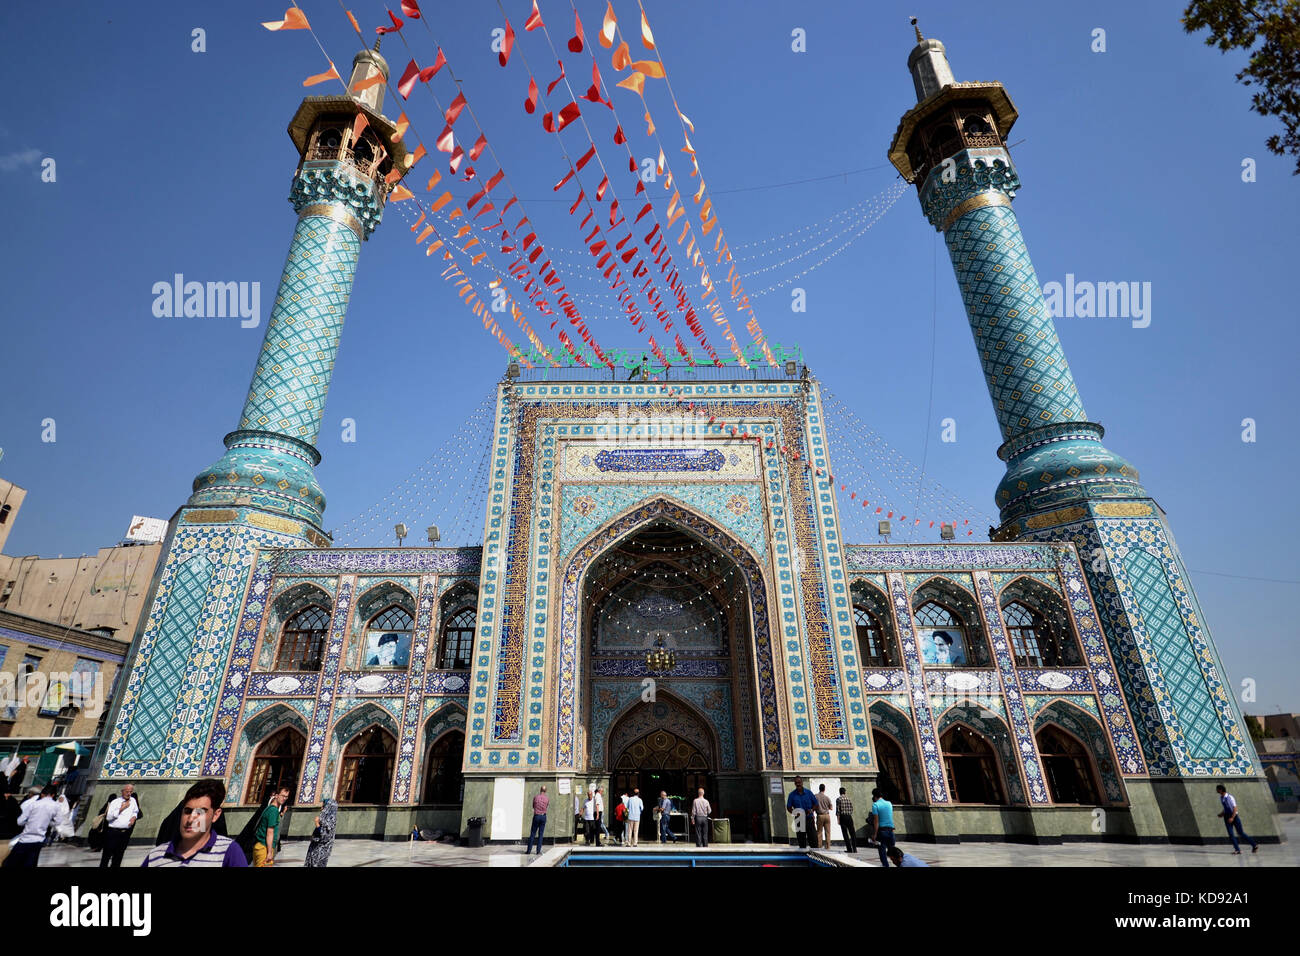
(672, 697)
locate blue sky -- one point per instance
(173, 161)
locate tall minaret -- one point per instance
(338, 192)
(1061, 483)
(262, 493)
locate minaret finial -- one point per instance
(378, 39)
(919, 38)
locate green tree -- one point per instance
(1270, 31)
(1257, 731)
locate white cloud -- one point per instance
(12, 161)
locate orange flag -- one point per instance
(434, 180)
(634, 82)
(647, 38)
(330, 74)
(415, 157)
(402, 125)
(294, 19)
(362, 85)
(355, 26)
(440, 202)
(621, 57)
(400, 193)
(607, 28)
(428, 230)
(649, 68)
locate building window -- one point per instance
(893, 774)
(443, 780)
(276, 764)
(874, 645)
(1029, 633)
(1039, 627)
(971, 766)
(6, 728)
(1066, 766)
(302, 643)
(4, 513)
(388, 638)
(367, 774)
(458, 640)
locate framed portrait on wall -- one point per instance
(942, 646)
(387, 649)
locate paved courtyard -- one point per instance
(377, 853)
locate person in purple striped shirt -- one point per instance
(196, 843)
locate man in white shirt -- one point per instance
(35, 819)
(635, 807)
(590, 830)
(600, 816)
(119, 821)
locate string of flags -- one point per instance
(792, 456)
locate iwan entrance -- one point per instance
(670, 672)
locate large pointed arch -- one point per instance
(889, 720)
(994, 730)
(638, 718)
(1085, 728)
(663, 508)
(260, 728)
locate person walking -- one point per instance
(824, 808)
(541, 802)
(322, 839)
(635, 807)
(803, 805)
(882, 827)
(267, 836)
(120, 820)
(590, 830)
(665, 809)
(1231, 818)
(35, 818)
(700, 813)
(844, 810)
(197, 842)
(620, 821)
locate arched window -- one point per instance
(367, 775)
(388, 638)
(1038, 623)
(302, 641)
(874, 644)
(1065, 763)
(443, 780)
(276, 764)
(893, 771)
(971, 765)
(458, 640)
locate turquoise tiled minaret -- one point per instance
(262, 493)
(1061, 482)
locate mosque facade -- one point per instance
(663, 597)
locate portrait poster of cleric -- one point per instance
(388, 649)
(942, 646)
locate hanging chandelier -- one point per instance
(659, 659)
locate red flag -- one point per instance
(397, 25)
(446, 140)
(534, 19)
(607, 27)
(530, 104)
(509, 44)
(619, 138)
(407, 82)
(456, 156)
(586, 157)
(453, 111)
(556, 82)
(429, 72)
(477, 149)
(600, 190)
(567, 115)
(411, 9)
(576, 41)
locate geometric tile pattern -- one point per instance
(317, 742)
(922, 718)
(411, 714)
(287, 394)
(1026, 749)
(1024, 364)
(1189, 699)
(1069, 715)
